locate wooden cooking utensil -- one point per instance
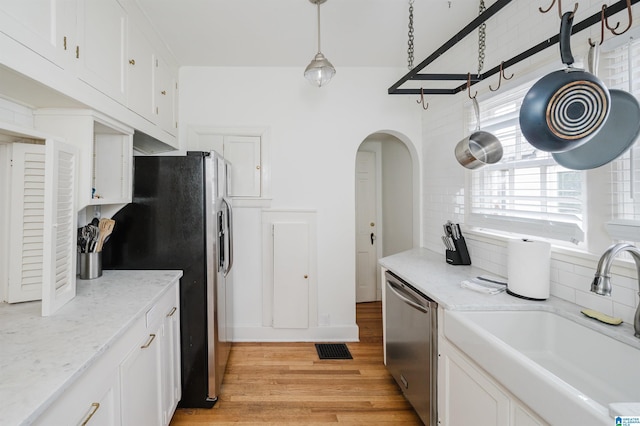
(106, 227)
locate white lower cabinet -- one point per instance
(140, 376)
(93, 400)
(127, 384)
(468, 395)
(170, 362)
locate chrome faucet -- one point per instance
(602, 281)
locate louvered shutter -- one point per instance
(27, 222)
(59, 266)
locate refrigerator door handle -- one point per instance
(229, 236)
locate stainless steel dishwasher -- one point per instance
(412, 345)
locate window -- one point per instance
(620, 69)
(526, 192)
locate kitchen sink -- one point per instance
(565, 371)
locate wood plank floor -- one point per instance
(287, 384)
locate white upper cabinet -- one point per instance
(244, 154)
(106, 45)
(140, 70)
(164, 96)
(151, 85)
(101, 51)
(32, 23)
(106, 153)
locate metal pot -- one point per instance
(566, 108)
(479, 148)
(617, 135)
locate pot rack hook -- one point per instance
(613, 30)
(425, 106)
(602, 23)
(575, 8)
(469, 87)
(502, 75)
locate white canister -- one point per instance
(529, 269)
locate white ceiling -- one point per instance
(355, 33)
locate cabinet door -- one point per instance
(93, 400)
(171, 385)
(290, 275)
(60, 219)
(140, 70)
(244, 154)
(164, 95)
(101, 51)
(31, 23)
(468, 396)
(141, 384)
(522, 416)
(26, 236)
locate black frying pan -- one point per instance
(566, 108)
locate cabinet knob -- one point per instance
(257, 167)
(164, 92)
(132, 61)
(306, 276)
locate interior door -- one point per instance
(366, 228)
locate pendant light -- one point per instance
(320, 70)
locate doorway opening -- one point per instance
(387, 206)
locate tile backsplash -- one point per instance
(570, 280)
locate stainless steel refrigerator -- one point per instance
(181, 218)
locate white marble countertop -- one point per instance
(429, 273)
(40, 357)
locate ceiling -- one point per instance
(283, 33)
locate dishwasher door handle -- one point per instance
(397, 290)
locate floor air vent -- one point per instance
(333, 351)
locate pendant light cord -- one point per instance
(319, 51)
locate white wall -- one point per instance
(314, 135)
(397, 196)
(517, 28)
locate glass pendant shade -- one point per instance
(319, 71)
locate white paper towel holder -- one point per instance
(539, 292)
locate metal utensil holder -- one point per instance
(459, 256)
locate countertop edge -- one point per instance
(165, 280)
(429, 273)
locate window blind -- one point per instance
(620, 69)
(526, 192)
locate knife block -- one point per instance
(459, 256)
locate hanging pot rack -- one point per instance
(469, 80)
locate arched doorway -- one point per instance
(387, 206)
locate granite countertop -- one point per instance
(40, 357)
(429, 273)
